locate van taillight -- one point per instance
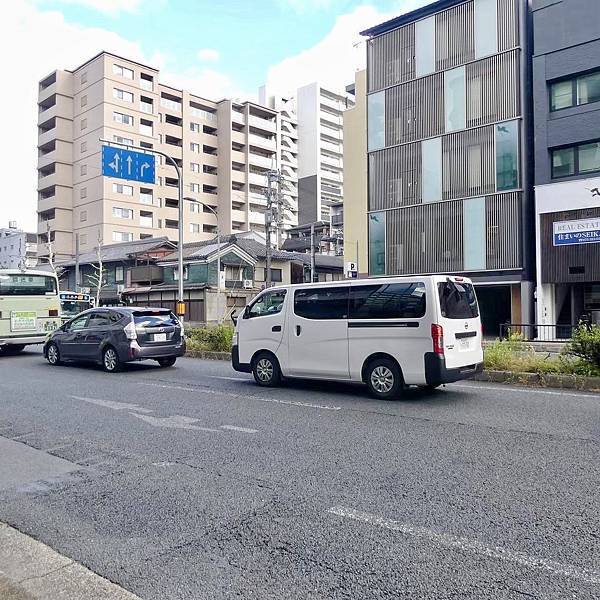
(437, 335)
(53, 312)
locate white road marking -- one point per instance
(244, 396)
(229, 378)
(501, 387)
(472, 546)
(240, 429)
(174, 422)
(112, 404)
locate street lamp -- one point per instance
(214, 212)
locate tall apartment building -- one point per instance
(17, 248)
(448, 150)
(320, 152)
(223, 148)
(566, 92)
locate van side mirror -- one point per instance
(234, 317)
(247, 311)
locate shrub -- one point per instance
(513, 354)
(585, 345)
(212, 338)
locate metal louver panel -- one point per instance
(508, 24)
(414, 110)
(493, 89)
(454, 36)
(468, 163)
(391, 58)
(503, 224)
(394, 177)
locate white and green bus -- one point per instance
(29, 308)
(73, 303)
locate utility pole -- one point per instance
(312, 252)
(272, 214)
(77, 262)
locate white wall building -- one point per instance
(17, 248)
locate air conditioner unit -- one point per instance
(247, 284)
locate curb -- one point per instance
(30, 570)
(568, 382)
(208, 355)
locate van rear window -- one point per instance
(458, 300)
(388, 301)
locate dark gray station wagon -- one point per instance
(114, 336)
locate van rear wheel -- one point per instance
(266, 371)
(384, 379)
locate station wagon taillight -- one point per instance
(53, 312)
(130, 332)
(437, 335)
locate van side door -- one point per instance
(318, 332)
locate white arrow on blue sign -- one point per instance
(128, 164)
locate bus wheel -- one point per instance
(53, 354)
(384, 379)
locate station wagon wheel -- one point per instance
(53, 354)
(167, 362)
(384, 379)
(110, 360)
(265, 369)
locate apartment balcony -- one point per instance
(238, 157)
(238, 176)
(171, 130)
(289, 131)
(238, 216)
(238, 117)
(257, 201)
(261, 161)
(239, 137)
(56, 83)
(329, 176)
(257, 179)
(55, 106)
(146, 273)
(238, 196)
(264, 124)
(334, 148)
(55, 151)
(62, 221)
(338, 105)
(62, 176)
(261, 142)
(330, 161)
(257, 217)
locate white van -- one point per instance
(386, 332)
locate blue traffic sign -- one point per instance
(128, 164)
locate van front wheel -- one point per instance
(384, 379)
(265, 369)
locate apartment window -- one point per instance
(83, 170)
(486, 28)
(431, 169)
(120, 188)
(195, 167)
(195, 188)
(122, 95)
(84, 77)
(122, 213)
(122, 71)
(454, 99)
(474, 234)
(83, 124)
(83, 147)
(376, 121)
(83, 192)
(195, 147)
(146, 218)
(145, 236)
(576, 160)
(195, 207)
(122, 236)
(425, 46)
(146, 127)
(146, 105)
(146, 196)
(146, 81)
(83, 239)
(83, 100)
(195, 127)
(176, 273)
(171, 224)
(507, 156)
(377, 243)
(122, 118)
(123, 140)
(577, 91)
(194, 228)
(146, 145)
(119, 274)
(83, 216)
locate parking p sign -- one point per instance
(351, 270)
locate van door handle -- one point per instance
(276, 328)
(298, 329)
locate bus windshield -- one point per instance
(27, 285)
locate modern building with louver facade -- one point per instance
(449, 187)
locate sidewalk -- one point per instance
(30, 570)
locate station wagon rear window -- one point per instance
(154, 319)
(458, 300)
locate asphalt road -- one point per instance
(194, 483)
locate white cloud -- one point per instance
(304, 6)
(109, 7)
(208, 55)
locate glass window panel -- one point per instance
(474, 246)
(322, 303)
(425, 46)
(561, 95)
(563, 162)
(507, 156)
(388, 301)
(588, 89)
(589, 157)
(431, 169)
(377, 243)
(376, 121)
(486, 28)
(454, 99)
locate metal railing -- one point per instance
(537, 333)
